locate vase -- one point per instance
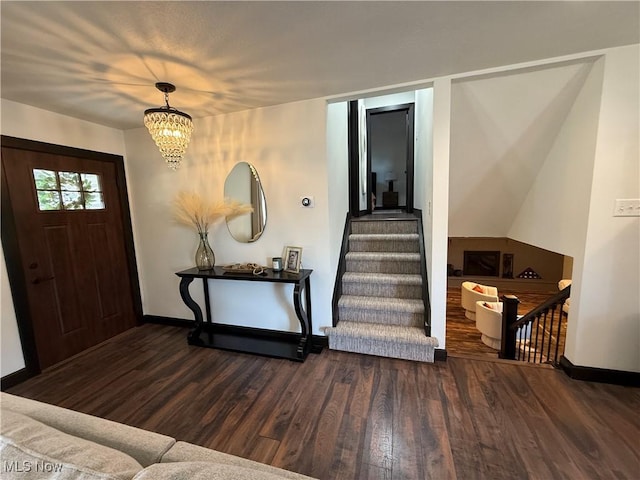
(205, 258)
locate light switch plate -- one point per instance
(627, 207)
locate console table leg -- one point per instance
(304, 316)
(194, 335)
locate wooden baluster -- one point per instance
(553, 314)
(544, 329)
(562, 315)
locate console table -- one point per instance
(272, 343)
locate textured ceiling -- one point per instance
(98, 61)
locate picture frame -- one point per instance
(292, 259)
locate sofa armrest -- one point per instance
(188, 452)
(146, 447)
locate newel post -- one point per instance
(509, 317)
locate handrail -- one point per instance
(528, 337)
(558, 299)
(342, 267)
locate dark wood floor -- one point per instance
(348, 416)
(463, 338)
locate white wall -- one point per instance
(440, 207)
(423, 197)
(569, 209)
(11, 359)
(503, 127)
(287, 146)
(555, 210)
(423, 153)
(608, 332)
(392, 99)
(24, 121)
(338, 182)
(32, 123)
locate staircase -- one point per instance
(382, 295)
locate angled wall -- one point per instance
(503, 128)
(554, 212)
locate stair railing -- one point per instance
(535, 337)
(342, 267)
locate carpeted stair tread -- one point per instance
(404, 305)
(409, 343)
(385, 226)
(386, 256)
(382, 278)
(392, 332)
(375, 242)
(396, 237)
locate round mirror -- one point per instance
(243, 184)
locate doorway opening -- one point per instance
(390, 157)
(381, 158)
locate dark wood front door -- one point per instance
(68, 221)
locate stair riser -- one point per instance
(382, 266)
(382, 290)
(350, 314)
(395, 226)
(387, 348)
(410, 246)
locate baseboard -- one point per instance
(15, 378)
(318, 342)
(440, 355)
(174, 322)
(601, 375)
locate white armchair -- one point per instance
(489, 323)
(562, 284)
(471, 292)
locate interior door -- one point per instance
(71, 246)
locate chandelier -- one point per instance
(170, 128)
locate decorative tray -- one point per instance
(252, 268)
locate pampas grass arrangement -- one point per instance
(192, 210)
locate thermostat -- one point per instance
(307, 202)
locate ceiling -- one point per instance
(98, 61)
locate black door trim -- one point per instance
(409, 109)
(10, 245)
(353, 138)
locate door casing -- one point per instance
(353, 151)
(16, 274)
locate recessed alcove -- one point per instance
(498, 261)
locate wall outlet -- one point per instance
(307, 201)
(627, 207)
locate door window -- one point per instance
(68, 190)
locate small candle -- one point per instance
(276, 263)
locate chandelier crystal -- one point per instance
(170, 128)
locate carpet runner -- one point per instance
(381, 310)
